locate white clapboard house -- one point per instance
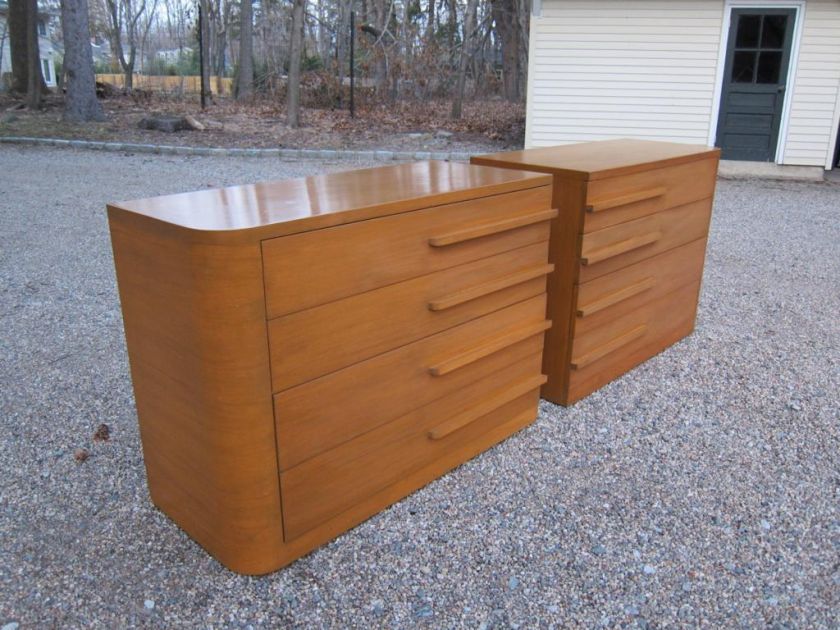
(758, 78)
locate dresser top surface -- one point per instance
(598, 160)
(330, 199)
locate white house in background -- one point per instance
(47, 22)
(758, 78)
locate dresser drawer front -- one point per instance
(329, 337)
(337, 479)
(619, 199)
(305, 270)
(323, 413)
(602, 354)
(616, 247)
(622, 292)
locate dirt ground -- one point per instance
(261, 123)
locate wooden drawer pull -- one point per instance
(485, 350)
(495, 227)
(610, 346)
(491, 404)
(505, 282)
(617, 296)
(626, 199)
(622, 247)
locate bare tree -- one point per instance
(204, 46)
(132, 19)
(80, 104)
(245, 78)
(507, 23)
(18, 42)
(293, 84)
(34, 78)
(466, 53)
(23, 41)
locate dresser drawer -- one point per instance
(323, 413)
(621, 292)
(326, 338)
(304, 270)
(619, 199)
(616, 247)
(603, 353)
(337, 479)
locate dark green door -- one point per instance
(754, 81)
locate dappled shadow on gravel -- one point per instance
(701, 488)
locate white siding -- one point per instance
(620, 68)
(603, 69)
(812, 125)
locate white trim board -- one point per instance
(793, 63)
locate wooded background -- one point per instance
(300, 49)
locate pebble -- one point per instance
(12, 625)
(599, 550)
(513, 582)
(649, 569)
(149, 604)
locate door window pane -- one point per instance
(769, 65)
(46, 64)
(748, 30)
(743, 67)
(773, 33)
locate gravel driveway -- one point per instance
(702, 489)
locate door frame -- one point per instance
(793, 63)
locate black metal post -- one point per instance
(201, 57)
(352, 63)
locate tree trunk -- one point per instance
(245, 78)
(18, 42)
(466, 53)
(80, 104)
(204, 7)
(342, 41)
(380, 62)
(34, 77)
(507, 26)
(430, 24)
(293, 83)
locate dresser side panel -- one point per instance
(198, 351)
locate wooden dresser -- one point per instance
(628, 248)
(306, 352)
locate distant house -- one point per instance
(174, 55)
(49, 53)
(758, 78)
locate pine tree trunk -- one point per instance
(245, 78)
(293, 84)
(80, 103)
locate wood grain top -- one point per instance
(598, 160)
(297, 205)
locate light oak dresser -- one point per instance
(628, 248)
(306, 352)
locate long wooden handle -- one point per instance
(486, 229)
(626, 199)
(494, 345)
(482, 409)
(616, 296)
(523, 275)
(621, 247)
(611, 346)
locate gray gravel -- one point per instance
(702, 489)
